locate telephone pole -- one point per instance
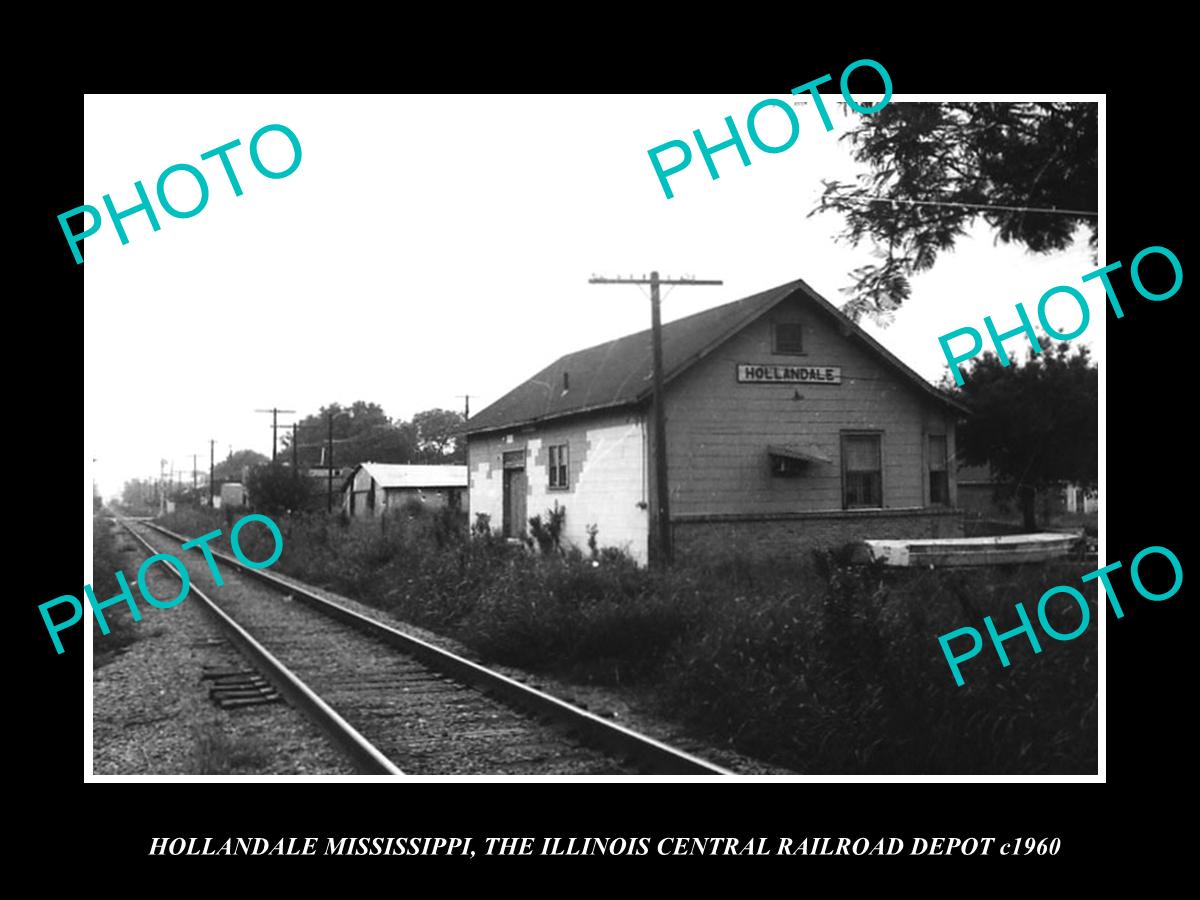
(466, 405)
(329, 417)
(663, 510)
(294, 449)
(212, 445)
(194, 455)
(274, 411)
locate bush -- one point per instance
(548, 535)
(107, 560)
(276, 490)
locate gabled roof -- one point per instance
(388, 475)
(619, 372)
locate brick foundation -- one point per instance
(791, 533)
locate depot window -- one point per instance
(862, 471)
(558, 466)
(939, 474)
(787, 338)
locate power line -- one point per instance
(1020, 209)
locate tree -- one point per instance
(362, 432)
(231, 468)
(139, 495)
(438, 433)
(1024, 156)
(1034, 423)
(387, 443)
(275, 489)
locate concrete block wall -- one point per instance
(606, 478)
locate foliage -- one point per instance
(1035, 423)
(139, 496)
(233, 467)
(437, 435)
(216, 752)
(1020, 155)
(107, 560)
(276, 489)
(548, 535)
(363, 432)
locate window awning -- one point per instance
(800, 452)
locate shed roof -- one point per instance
(619, 372)
(389, 475)
(800, 452)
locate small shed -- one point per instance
(233, 493)
(374, 488)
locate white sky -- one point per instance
(428, 247)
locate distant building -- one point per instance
(320, 476)
(1078, 498)
(233, 493)
(977, 492)
(982, 496)
(320, 473)
(374, 488)
(788, 427)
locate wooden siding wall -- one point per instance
(718, 430)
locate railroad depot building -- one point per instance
(788, 428)
(375, 488)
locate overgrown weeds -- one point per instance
(107, 560)
(214, 752)
(807, 663)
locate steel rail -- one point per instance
(653, 756)
(363, 753)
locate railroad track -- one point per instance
(396, 704)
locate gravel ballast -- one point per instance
(151, 710)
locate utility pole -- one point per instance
(194, 455)
(663, 510)
(212, 445)
(162, 488)
(329, 417)
(294, 449)
(466, 405)
(274, 411)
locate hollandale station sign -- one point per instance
(755, 373)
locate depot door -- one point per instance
(515, 487)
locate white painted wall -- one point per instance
(608, 479)
(485, 493)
